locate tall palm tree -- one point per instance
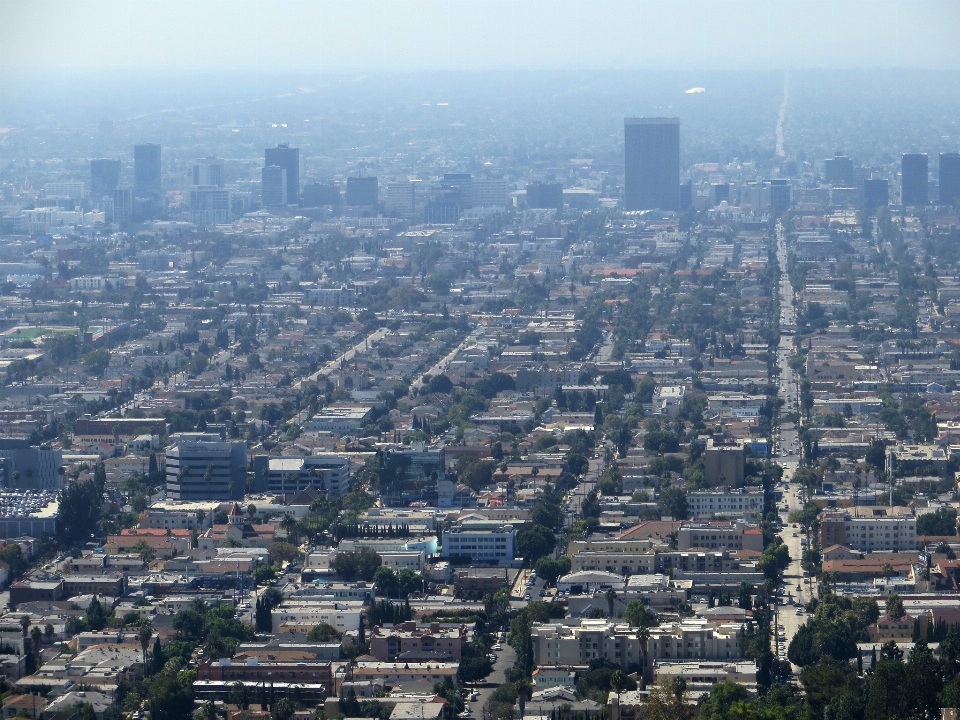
(618, 682)
(643, 637)
(289, 524)
(610, 596)
(146, 632)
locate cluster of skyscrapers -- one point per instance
(652, 174)
(651, 181)
(914, 179)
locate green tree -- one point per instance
(673, 502)
(476, 474)
(362, 563)
(639, 615)
(439, 384)
(239, 696)
(97, 361)
(534, 541)
(323, 633)
(895, 607)
(95, 616)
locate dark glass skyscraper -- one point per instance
(839, 171)
(289, 159)
(274, 186)
(652, 163)
(546, 195)
(362, 192)
(876, 193)
(104, 178)
(950, 178)
(913, 179)
(146, 171)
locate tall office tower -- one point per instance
(210, 205)
(489, 192)
(779, 195)
(875, 193)
(719, 192)
(146, 171)
(652, 163)
(320, 194)
(913, 179)
(461, 188)
(839, 171)
(401, 195)
(202, 467)
(273, 186)
(546, 195)
(289, 159)
(104, 178)
(950, 178)
(686, 195)
(362, 192)
(208, 171)
(122, 205)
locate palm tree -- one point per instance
(146, 632)
(524, 689)
(618, 682)
(24, 624)
(610, 596)
(643, 636)
(36, 636)
(289, 524)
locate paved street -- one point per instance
(786, 449)
(505, 659)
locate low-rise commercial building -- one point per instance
(494, 545)
(291, 475)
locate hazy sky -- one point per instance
(475, 34)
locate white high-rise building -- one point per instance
(208, 171)
(210, 205)
(401, 195)
(488, 192)
(64, 190)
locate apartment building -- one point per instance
(728, 502)
(870, 529)
(562, 644)
(410, 641)
(565, 644)
(622, 563)
(692, 639)
(720, 536)
(344, 616)
(253, 670)
(173, 515)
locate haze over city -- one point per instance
(429, 360)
